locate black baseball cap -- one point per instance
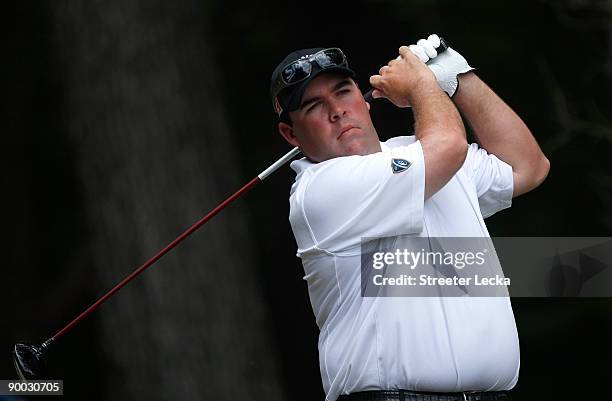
(287, 96)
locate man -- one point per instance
(349, 187)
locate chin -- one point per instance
(359, 149)
(356, 148)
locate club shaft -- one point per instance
(175, 242)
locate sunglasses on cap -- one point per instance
(299, 70)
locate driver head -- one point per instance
(28, 360)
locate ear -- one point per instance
(368, 105)
(286, 131)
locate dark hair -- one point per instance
(285, 118)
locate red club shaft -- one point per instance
(174, 243)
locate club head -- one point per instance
(29, 360)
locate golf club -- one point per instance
(29, 358)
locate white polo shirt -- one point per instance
(414, 343)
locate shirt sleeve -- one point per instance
(492, 178)
(348, 198)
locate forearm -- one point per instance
(440, 129)
(436, 117)
(500, 131)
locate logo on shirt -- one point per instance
(399, 165)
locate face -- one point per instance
(333, 120)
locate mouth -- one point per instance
(345, 130)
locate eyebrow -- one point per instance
(310, 100)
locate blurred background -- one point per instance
(125, 121)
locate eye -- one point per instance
(312, 107)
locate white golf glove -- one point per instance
(446, 66)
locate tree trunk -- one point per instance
(154, 156)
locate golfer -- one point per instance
(351, 185)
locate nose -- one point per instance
(336, 111)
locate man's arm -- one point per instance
(408, 82)
(500, 131)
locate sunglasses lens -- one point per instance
(296, 72)
(330, 57)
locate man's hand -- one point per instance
(446, 66)
(402, 79)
